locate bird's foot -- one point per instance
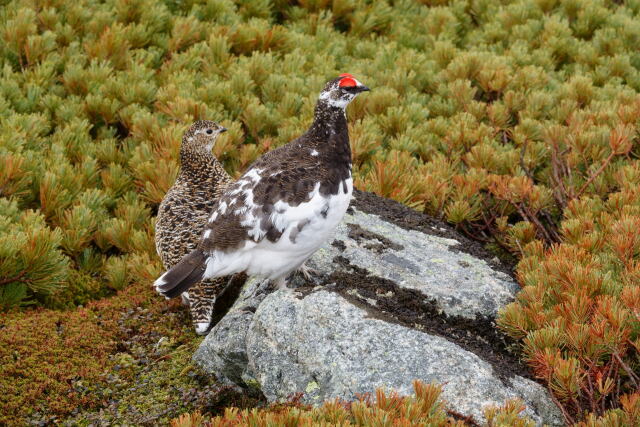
(202, 328)
(307, 271)
(185, 298)
(201, 310)
(281, 283)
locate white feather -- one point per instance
(254, 174)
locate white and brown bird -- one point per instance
(284, 206)
(185, 209)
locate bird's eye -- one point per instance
(209, 131)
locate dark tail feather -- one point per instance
(183, 275)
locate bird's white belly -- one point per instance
(276, 259)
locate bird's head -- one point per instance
(339, 92)
(201, 136)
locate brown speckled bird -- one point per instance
(185, 209)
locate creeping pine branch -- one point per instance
(469, 234)
(468, 420)
(547, 216)
(568, 418)
(632, 376)
(596, 174)
(549, 234)
(15, 278)
(559, 170)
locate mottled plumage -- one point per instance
(283, 208)
(185, 209)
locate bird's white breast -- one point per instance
(304, 228)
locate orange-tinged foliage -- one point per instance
(579, 310)
(387, 408)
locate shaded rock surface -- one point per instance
(396, 296)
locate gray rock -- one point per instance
(225, 352)
(387, 305)
(326, 347)
(461, 284)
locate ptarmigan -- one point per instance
(284, 206)
(184, 211)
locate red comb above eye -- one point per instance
(346, 75)
(347, 82)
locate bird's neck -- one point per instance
(329, 135)
(198, 164)
(329, 121)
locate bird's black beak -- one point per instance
(363, 88)
(222, 130)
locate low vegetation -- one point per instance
(516, 121)
(424, 408)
